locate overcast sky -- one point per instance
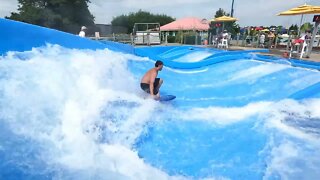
(250, 12)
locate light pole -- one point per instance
(232, 8)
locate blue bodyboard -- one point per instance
(167, 97)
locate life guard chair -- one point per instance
(296, 47)
(223, 43)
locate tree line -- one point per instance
(70, 15)
(140, 17)
(64, 15)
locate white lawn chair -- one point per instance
(223, 43)
(304, 49)
(296, 47)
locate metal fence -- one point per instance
(122, 38)
(279, 41)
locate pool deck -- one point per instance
(279, 53)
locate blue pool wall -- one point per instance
(158, 53)
(19, 36)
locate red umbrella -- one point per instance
(259, 28)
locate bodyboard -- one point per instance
(167, 97)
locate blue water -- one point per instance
(230, 120)
(200, 142)
(79, 113)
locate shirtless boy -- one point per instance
(150, 83)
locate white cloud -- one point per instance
(8, 6)
(250, 12)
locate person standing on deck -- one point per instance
(82, 33)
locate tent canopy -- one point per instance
(185, 24)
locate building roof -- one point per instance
(190, 23)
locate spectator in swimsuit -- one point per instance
(271, 37)
(150, 83)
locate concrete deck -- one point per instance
(315, 56)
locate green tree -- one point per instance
(220, 13)
(293, 27)
(231, 27)
(140, 17)
(306, 26)
(65, 15)
(279, 29)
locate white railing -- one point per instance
(148, 38)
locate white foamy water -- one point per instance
(257, 72)
(225, 116)
(193, 57)
(293, 130)
(188, 71)
(84, 110)
(82, 107)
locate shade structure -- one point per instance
(265, 30)
(224, 19)
(300, 10)
(186, 24)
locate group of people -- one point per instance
(271, 38)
